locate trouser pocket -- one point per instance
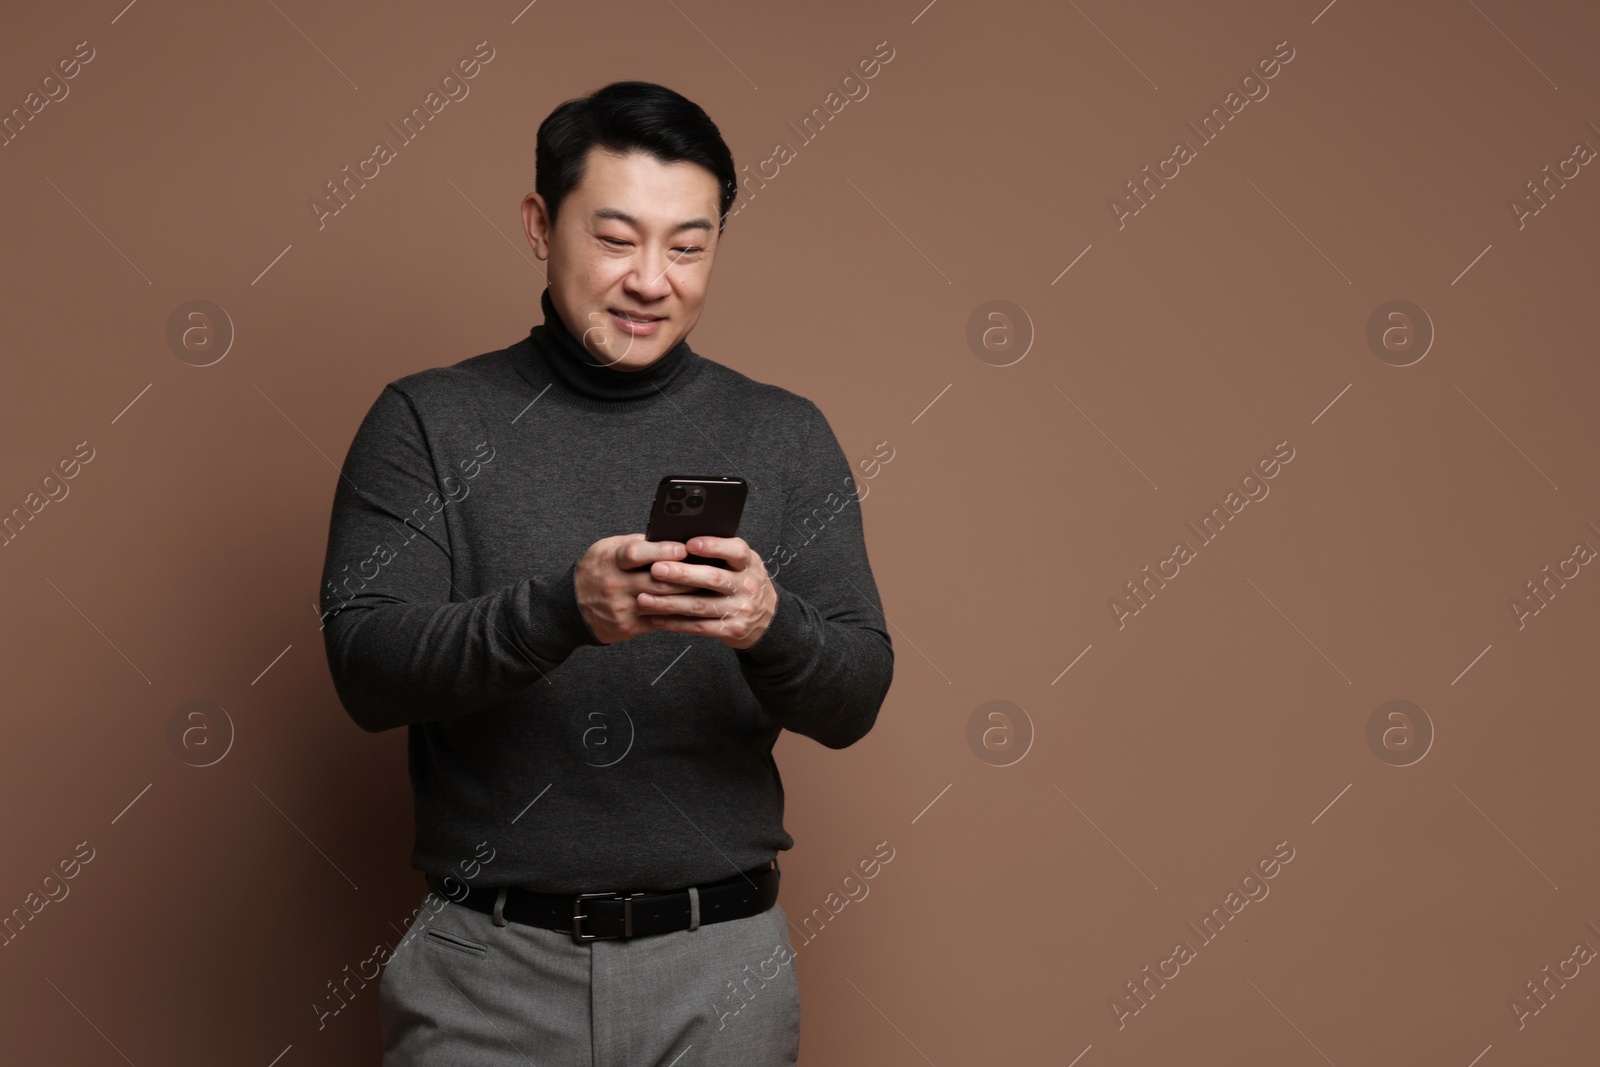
(447, 939)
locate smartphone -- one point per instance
(688, 506)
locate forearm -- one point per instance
(400, 662)
(824, 678)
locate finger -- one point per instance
(640, 553)
(656, 586)
(729, 548)
(683, 624)
(699, 575)
(696, 606)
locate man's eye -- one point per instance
(688, 251)
(613, 241)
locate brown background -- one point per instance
(1177, 351)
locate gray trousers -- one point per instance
(464, 991)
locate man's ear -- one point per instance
(536, 224)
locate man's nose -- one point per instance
(649, 277)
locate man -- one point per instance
(590, 718)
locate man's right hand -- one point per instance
(608, 584)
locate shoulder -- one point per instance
(444, 407)
(761, 399)
(468, 384)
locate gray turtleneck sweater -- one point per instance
(449, 607)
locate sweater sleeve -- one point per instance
(403, 644)
(824, 664)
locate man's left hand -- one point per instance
(743, 601)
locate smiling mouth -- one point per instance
(635, 318)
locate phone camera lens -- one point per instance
(675, 493)
(673, 507)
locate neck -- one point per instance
(575, 369)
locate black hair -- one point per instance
(624, 117)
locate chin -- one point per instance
(644, 348)
(623, 357)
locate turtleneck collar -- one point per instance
(565, 360)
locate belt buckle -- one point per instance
(627, 915)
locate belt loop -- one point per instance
(694, 908)
(500, 907)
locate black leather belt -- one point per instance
(620, 914)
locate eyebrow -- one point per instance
(701, 223)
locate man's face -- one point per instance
(635, 238)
